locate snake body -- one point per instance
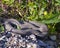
(30, 27)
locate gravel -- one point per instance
(11, 40)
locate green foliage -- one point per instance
(1, 10)
(8, 2)
(52, 18)
(1, 29)
(46, 11)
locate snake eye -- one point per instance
(13, 25)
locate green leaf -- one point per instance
(1, 29)
(53, 20)
(1, 10)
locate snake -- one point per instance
(26, 28)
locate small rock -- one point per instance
(53, 37)
(33, 37)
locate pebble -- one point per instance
(53, 37)
(33, 37)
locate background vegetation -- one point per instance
(46, 11)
